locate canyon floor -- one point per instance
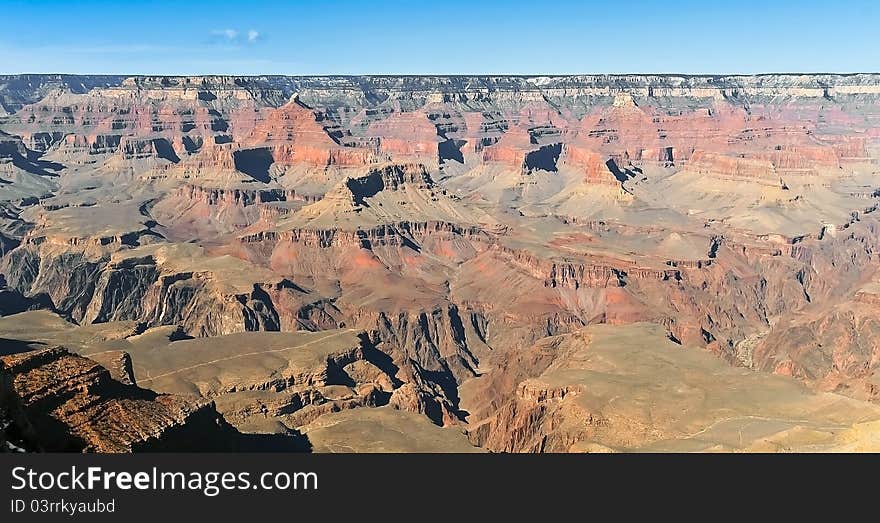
(599, 263)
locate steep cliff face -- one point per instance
(833, 347)
(62, 402)
(708, 164)
(407, 136)
(519, 150)
(596, 169)
(165, 285)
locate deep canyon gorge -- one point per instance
(594, 263)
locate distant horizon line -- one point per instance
(451, 75)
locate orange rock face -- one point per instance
(406, 135)
(593, 164)
(712, 164)
(511, 149)
(801, 157)
(295, 136)
(64, 402)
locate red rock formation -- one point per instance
(407, 135)
(511, 149)
(295, 136)
(593, 164)
(183, 115)
(800, 157)
(64, 402)
(848, 147)
(722, 166)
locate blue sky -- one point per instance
(442, 37)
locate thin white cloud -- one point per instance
(229, 34)
(236, 36)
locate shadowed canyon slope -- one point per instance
(515, 264)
